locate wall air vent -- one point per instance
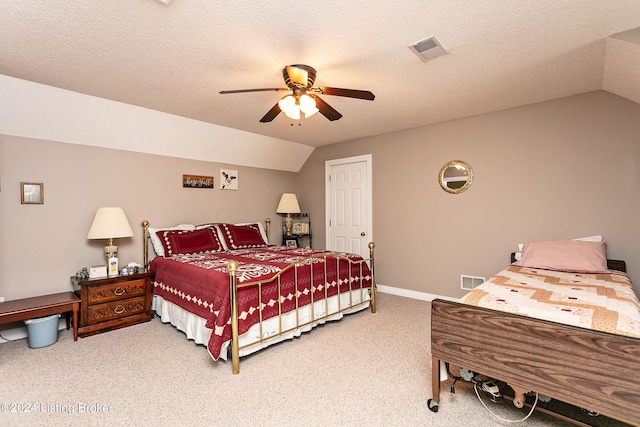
(470, 282)
(428, 48)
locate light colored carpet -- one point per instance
(366, 370)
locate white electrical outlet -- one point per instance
(1, 299)
(470, 282)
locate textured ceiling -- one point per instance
(176, 58)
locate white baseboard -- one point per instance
(423, 296)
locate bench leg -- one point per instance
(76, 307)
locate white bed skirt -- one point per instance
(195, 329)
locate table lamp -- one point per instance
(110, 224)
(288, 205)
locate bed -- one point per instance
(226, 287)
(586, 361)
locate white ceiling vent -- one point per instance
(428, 48)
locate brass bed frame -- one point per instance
(593, 370)
(234, 286)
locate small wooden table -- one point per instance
(45, 305)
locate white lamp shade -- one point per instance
(110, 223)
(308, 105)
(288, 204)
(289, 107)
(287, 104)
(310, 112)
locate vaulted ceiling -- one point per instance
(177, 57)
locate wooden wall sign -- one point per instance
(197, 181)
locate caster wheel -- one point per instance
(433, 405)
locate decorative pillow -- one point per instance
(260, 227)
(242, 236)
(565, 255)
(156, 240)
(209, 224)
(584, 239)
(184, 242)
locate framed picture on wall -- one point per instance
(197, 181)
(228, 179)
(31, 193)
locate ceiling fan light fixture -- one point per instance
(290, 107)
(307, 105)
(294, 113)
(287, 104)
(310, 113)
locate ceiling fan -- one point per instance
(304, 98)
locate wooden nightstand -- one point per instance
(113, 302)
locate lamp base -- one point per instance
(287, 225)
(110, 249)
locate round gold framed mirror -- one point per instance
(455, 176)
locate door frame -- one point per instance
(368, 159)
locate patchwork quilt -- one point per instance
(200, 284)
(600, 301)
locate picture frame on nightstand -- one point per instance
(97, 271)
(291, 242)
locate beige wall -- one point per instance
(42, 245)
(555, 170)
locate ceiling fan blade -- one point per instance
(349, 93)
(270, 89)
(326, 110)
(271, 114)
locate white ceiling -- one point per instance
(175, 58)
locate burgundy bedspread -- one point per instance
(200, 284)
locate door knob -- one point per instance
(363, 234)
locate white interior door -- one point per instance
(348, 204)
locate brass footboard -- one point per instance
(234, 286)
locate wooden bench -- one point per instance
(41, 306)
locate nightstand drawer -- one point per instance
(116, 309)
(116, 291)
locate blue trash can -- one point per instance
(42, 331)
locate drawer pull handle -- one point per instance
(119, 309)
(119, 291)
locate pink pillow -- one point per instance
(565, 255)
(184, 242)
(242, 236)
